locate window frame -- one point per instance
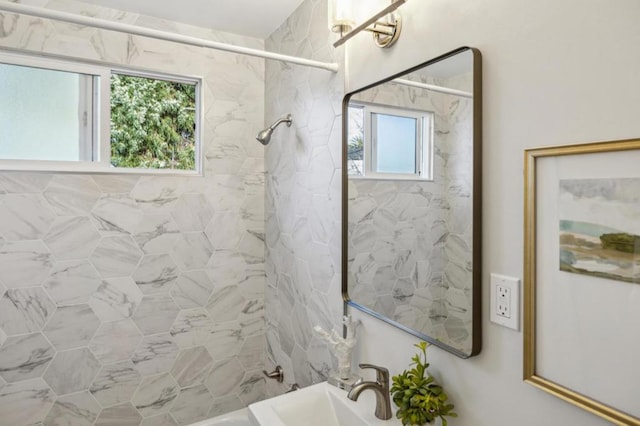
(424, 144)
(101, 116)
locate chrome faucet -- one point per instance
(381, 389)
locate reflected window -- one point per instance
(389, 143)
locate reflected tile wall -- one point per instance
(410, 256)
(303, 190)
(113, 288)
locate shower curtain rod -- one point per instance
(72, 18)
(432, 87)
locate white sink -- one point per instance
(318, 405)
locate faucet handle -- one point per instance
(382, 374)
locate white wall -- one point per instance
(555, 72)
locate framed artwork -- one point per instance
(582, 276)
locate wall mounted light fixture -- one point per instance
(385, 25)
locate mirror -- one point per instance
(412, 202)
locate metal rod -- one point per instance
(157, 34)
(387, 10)
(432, 87)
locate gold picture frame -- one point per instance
(546, 170)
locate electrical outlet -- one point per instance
(505, 301)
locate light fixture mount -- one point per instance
(385, 26)
(385, 34)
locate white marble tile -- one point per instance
(252, 352)
(3, 337)
(155, 314)
(225, 229)
(116, 184)
(226, 267)
(115, 383)
(116, 256)
(226, 304)
(119, 415)
(252, 284)
(302, 372)
(192, 289)
(155, 354)
(115, 299)
(224, 377)
(25, 357)
(161, 420)
(227, 155)
(71, 327)
(24, 182)
(192, 327)
(72, 282)
(319, 360)
(116, 214)
(156, 233)
(225, 340)
(72, 237)
(24, 217)
(78, 409)
(192, 213)
(72, 371)
(225, 405)
(71, 195)
(226, 192)
(251, 246)
(253, 171)
(157, 194)
(192, 250)
(156, 395)
(156, 273)
(25, 310)
(25, 403)
(191, 366)
(252, 212)
(192, 405)
(252, 387)
(24, 263)
(115, 341)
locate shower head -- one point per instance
(265, 136)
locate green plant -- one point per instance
(419, 398)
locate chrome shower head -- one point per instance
(265, 136)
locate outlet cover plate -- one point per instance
(513, 284)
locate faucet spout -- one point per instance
(380, 387)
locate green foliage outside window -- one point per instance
(152, 123)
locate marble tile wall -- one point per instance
(303, 190)
(410, 255)
(137, 299)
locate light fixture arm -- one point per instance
(385, 36)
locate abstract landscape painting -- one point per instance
(600, 228)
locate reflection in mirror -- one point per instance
(412, 201)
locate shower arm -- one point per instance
(287, 119)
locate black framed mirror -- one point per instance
(412, 199)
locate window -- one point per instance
(58, 115)
(387, 142)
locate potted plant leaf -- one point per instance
(419, 398)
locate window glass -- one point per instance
(395, 143)
(153, 123)
(61, 115)
(44, 114)
(355, 149)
